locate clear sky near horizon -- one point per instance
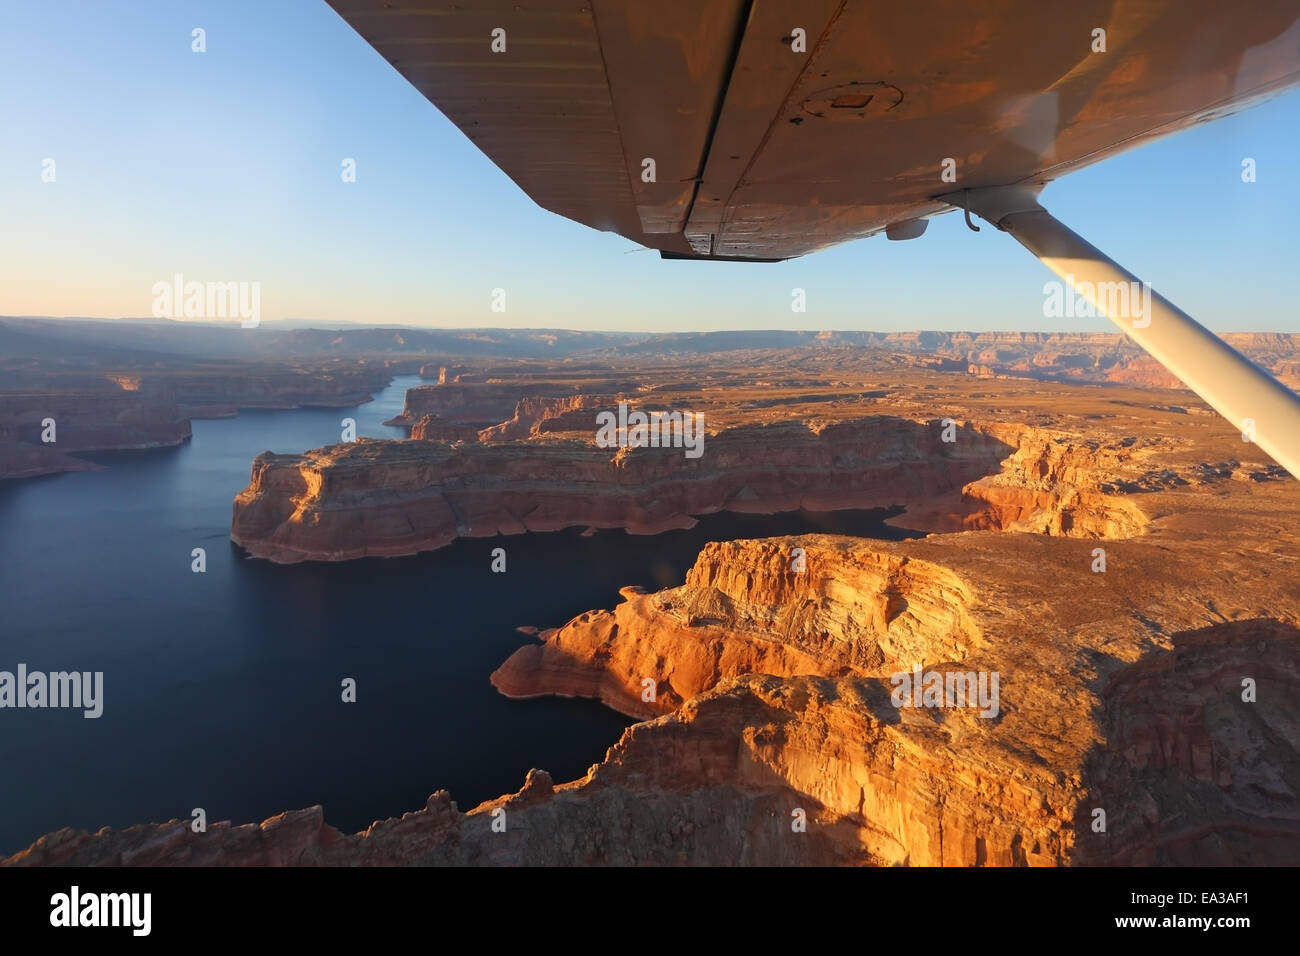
(225, 166)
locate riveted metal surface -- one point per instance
(765, 151)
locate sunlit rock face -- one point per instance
(1119, 558)
(398, 497)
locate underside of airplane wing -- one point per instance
(764, 130)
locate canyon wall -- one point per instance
(1156, 730)
(151, 408)
(82, 421)
(386, 498)
(383, 498)
(468, 400)
(778, 738)
(744, 609)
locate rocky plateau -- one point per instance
(1124, 563)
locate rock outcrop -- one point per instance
(479, 404)
(80, 422)
(744, 609)
(383, 498)
(150, 407)
(796, 750)
(487, 404)
(433, 428)
(92, 421)
(1058, 483)
(25, 460)
(1186, 737)
(535, 416)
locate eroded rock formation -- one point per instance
(743, 609)
(1097, 709)
(384, 498)
(151, 406)
(1122, 561)
(377, 498)
(534, 416)
(79, 422)
(1151, 727)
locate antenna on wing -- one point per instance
(966, 210)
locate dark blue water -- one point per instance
(222, 689)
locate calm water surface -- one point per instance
(222, 689)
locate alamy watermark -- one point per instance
(946, 689)
(56, 689)
(655, 429)
(208, 300)
(75, 909)
(1092, 300)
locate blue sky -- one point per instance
(225, 165)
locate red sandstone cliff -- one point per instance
(1154, 730)
(533, 416)
(152, 407)
(778, 703)
(375, 498)
(82, 421)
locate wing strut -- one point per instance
(1238, 389)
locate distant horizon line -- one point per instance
(296, 324)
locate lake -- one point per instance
(222, 689)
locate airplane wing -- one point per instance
(779, 128)
(759, 130)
